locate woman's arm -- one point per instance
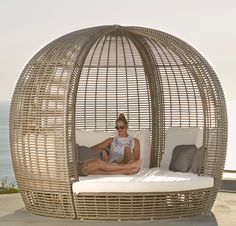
(103, 145)
(134, 155)
(136, 151)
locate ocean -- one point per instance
(6, 169)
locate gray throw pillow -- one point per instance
(182, 157)
(86, 153)
(197, 160)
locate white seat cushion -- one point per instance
(147, 180)
(179, 136)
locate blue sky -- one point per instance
(28, 25)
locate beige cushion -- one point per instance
(86, 153)
(178, 136)
(197, 160)
(182, 158)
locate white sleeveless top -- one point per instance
(118, 146)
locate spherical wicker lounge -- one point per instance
(83, 80)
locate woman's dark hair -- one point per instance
(122, 118)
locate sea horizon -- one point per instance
(6, 168)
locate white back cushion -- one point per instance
(178, 136)
(89, 138)
(145, 147)
(199, 140)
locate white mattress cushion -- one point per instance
(147, 180)
(179, 136)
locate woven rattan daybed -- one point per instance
(83, 80)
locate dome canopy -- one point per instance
(84, 79)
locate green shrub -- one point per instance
(6, 187)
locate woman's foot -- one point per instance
(132, 171)
(134, 167)
(136, 164)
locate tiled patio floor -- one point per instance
(224, 208)
(12, 212)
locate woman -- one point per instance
(123, 157)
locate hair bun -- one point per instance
(122, 116)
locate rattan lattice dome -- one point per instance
(83, 80)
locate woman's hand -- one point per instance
(105, 156)
(128, 155)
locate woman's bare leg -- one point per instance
(125, 172)
(93, 166)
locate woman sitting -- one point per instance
(120, 155)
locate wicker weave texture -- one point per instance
(142, 206)
(83, 80)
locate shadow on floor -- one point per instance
(228, 185)
(21, 217)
